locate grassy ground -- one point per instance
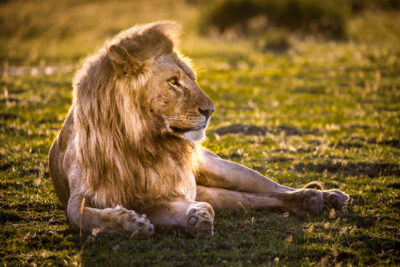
(326, 111)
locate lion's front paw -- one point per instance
(199, 222)
(133, 223)
(140, 227)
(335, 199)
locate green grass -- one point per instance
(327, 111)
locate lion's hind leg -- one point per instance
(261, 192)
(116, 220)
(295, 201)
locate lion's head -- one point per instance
(137, 112)
(169, 95)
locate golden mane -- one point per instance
(125, 159)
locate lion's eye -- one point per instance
(173, 81)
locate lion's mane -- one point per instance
(124, 157)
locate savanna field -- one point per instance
(297, 102)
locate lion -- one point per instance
(129, 154)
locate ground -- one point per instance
(322, 110)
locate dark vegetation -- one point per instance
(326, 18)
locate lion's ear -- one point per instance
(123, 63)
(119, 55)
(120, 59)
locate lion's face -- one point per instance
(145, 62)
(175, 96)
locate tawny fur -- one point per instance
(131, 144)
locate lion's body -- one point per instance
(130, 144)
(162, 180)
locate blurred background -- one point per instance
(38, 32)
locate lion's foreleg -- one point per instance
(116, 220)
(295, 201)
(196, 217)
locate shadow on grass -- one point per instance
(240, 236)
(359, 142)
(351, 168)
(249, 129)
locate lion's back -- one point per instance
(56, 159)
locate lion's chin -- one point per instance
(195, 135)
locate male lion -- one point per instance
(130, 145)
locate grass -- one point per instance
(326, 111)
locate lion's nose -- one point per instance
(207, 111)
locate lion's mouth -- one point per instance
(184, 130)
